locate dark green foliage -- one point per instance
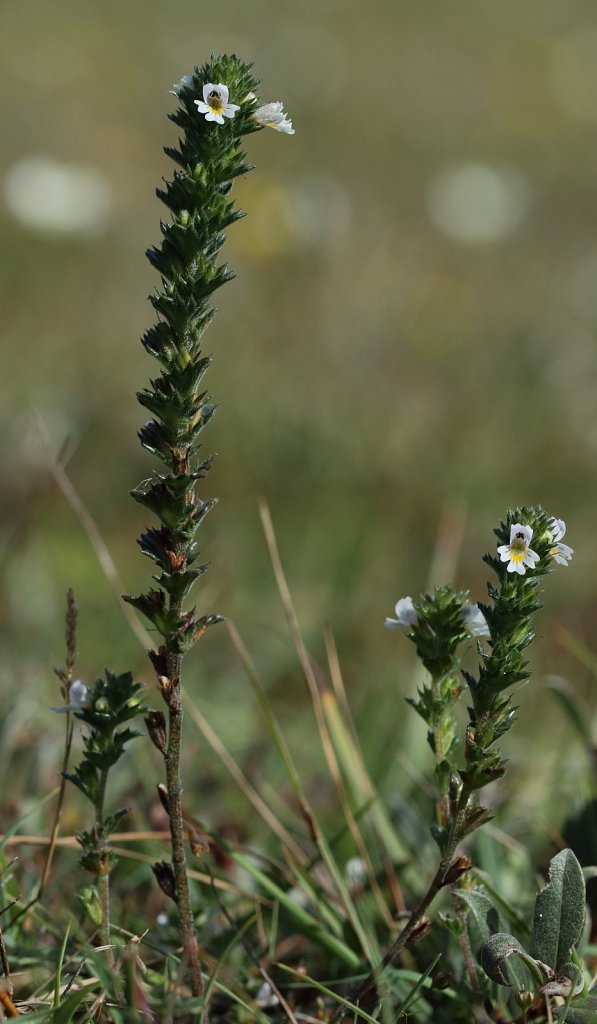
(514, 601)
(207, 159)
(559, 912)
(438, 636)
(440, 630)
(111, 702)
(558, 917)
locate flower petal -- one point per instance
(474, 620)
(223, 91)
(527, 532)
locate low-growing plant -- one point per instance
(104, 708)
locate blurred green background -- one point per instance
(408, 349)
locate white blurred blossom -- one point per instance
(185, 83)
(406, 615)
(78, 699)
(561, 553)
(266, 997)
(476, 204)
(272, 115)
(474, 620)
(56, 198)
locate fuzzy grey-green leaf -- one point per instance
(581, 1011)
(559, 911)
(482, 919)
(496, 950)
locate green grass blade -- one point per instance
(309, 925)
(416, 989)
(328, 992)
(59, 966)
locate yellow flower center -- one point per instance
(214, 102)
(518, 548)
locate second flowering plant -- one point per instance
(439, 625)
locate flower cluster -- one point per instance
(473, 620)
(215, 106)
(520, 556)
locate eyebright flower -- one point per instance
(561, 553)
(272, 115)
(215, 103)
(406, 615)
(185, 83)
(474, 620)
(78, 699)
(517, 553)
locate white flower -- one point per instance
(517, 553)
(406, 615)
(56, 199)
(561, 553)
(215, 103)
(272, 115)
(355, 872)
(266, 997)
(185, 83)
(78, 699)
(474, 620)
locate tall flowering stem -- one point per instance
(438, 624)
(208, 158)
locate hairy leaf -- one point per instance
(560, 911)
(581, 1011)
(497, 949)
(482, 919)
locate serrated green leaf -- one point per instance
(112, 820)
(559, 911)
